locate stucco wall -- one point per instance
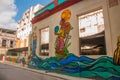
(114, 19)
(111, 19)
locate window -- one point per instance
(92, 33)
(4, 43)
(11, 44)
(24, 23)
(44, 42)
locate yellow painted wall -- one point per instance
(18, 43)
(25, 42)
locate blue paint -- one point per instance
(34, 47)
(72, 65)
(72, 57)
(56, 29)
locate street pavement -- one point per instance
(8, 72)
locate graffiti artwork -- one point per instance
(117, 53)
(34, 43)
(67, 63)
(62, 32)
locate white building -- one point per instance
(25, 26)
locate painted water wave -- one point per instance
(79, 66)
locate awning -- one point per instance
(19, 49)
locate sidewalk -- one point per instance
(44, 72)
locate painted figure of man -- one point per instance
(62, 33)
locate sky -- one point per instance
(11, 11)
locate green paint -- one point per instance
(59, 56)
(106, 65)
(61, 1)
(10, 59)
(51, 6)
(8, 53)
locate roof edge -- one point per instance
(48, 13)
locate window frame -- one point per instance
(11, 45)
(5, 43)
(45, 54)
(87, 12)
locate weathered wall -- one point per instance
(111, 18)
(114, 20)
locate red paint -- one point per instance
(56, 2)
(48, 13)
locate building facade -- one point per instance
(24, 29)
(7, 41)
(95, 26)
(77, 38)
(25, 26)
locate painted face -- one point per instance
(66, 14)
(62, 21)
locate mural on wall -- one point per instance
(117, 53)
(67, 63)
(34, 41)
(30, 43)
(62, 32)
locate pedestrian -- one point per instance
(23, 61)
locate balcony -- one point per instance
(8, 35)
